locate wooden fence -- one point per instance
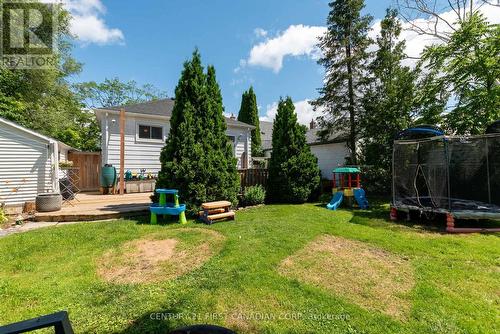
(252, 177)
(89, 164)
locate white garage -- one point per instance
(28, 164)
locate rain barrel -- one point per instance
(108, 176)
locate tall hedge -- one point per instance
(293, 169)
(197, 158)
(249, 113)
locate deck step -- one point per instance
(215, 205)
(229, 214)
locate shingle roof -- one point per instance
(266, 134)
(162, 107)
(266, 131)
(313, 138)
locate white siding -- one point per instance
(25, 166)
(330, 156)
(138, 153)
(242, 142)
(146, 154)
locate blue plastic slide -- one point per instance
(360, 196)
(336, 200)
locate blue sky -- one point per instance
(267, 44)
(158, 36)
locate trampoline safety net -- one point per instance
(448, 173)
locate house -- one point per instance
(28, 163)
(146, 128)
(331, 152)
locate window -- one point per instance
(150, 132)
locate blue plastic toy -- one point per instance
(360, 196)
(164, 208)
(336, 200)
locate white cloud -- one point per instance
(92, 29)
(259, 32)
(299, 40)
(87, 22)
(296, 40)
(416, 43)
(304, 110)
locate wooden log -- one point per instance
(211, 212)
(229, 214)
(215, 205)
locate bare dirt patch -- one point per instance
(360, 273)
(153, 258)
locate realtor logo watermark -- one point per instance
(29, 34)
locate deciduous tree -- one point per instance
(468, 65)
(113, 92)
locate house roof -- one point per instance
(26, 130)
(312, 138)
(266, 134)
(163, 107)
(36, 134)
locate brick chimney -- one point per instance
(312, 125)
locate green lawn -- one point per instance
(456, 286)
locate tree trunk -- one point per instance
(352, 115)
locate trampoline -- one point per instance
(458, 176)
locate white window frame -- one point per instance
(153, 124)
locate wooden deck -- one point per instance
(94, 206)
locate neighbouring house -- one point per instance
(266, 137)
(28, 164)
(146, 128)
(331, 152)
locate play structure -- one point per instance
(215, 211)
(457, 177)
(347, 187)
(168, 208)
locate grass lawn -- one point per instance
(254, 275)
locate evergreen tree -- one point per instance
(345, 56)
(293, 170)
(222, 174)
(249, 114)
(389, 100)
(197, 158)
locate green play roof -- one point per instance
(346, 170)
